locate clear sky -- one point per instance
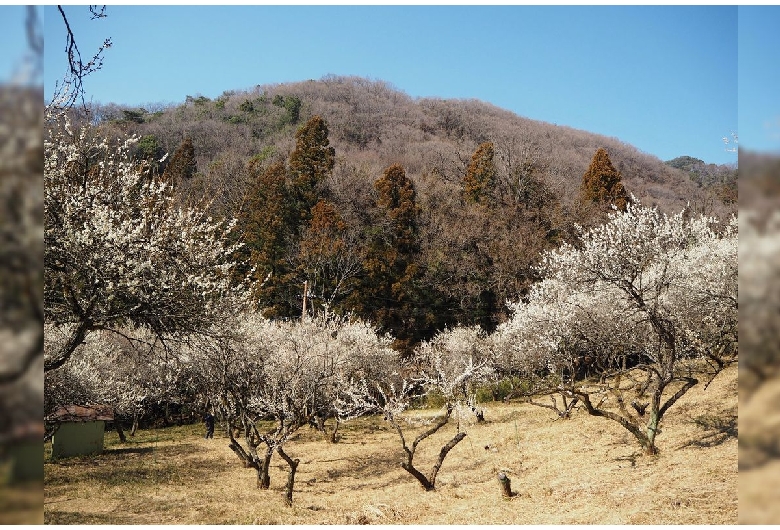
(13, 43)
(759, 78)
(662, 78)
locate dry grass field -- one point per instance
(583, 470)
(759, 456)
(21, 504)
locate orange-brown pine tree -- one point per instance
(602, 183)
(480, 175)
(328, 258)
(266, 224)
(389, 294)
(182, 165)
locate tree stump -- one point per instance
(506, 485)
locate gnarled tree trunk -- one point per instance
(428, 483)
(288, 491)
(135, 424)
(263, 476)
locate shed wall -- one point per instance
(78, 438)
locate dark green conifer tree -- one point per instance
(390, 295)
(311, 163)
(266, 227)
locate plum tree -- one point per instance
(642, 298)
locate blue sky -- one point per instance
(13, 41)
(662, 78)
(759, 78)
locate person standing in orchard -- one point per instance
(208, 419)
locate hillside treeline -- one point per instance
(415, 214)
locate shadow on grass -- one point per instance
(629, 458)
(719, 430)
(135, 466)
(759, 449)
(65, 517)
(128, 450)
(373, 464)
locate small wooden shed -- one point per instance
(80, 429)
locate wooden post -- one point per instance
(506, 485)
(305, 294)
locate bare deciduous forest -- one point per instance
(233, 140)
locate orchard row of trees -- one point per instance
(648, 322)
(136, 279)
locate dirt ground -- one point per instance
(584, 470)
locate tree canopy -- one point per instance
(120, 254)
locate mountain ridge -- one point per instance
(374, 124)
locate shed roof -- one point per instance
(82, 413)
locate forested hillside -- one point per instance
(722, 178)
(416, 214)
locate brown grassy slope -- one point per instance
(759, 456)
(577, 471)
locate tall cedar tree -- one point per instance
(266, 226)
(480, 176)
(325, 259)
(478, 186)
(389, 295)
(311, 163)
(182, 165)
(277, 216)
(602, 183)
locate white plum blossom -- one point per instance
(644, 291)
(108, 369)
(120, 253)
(293, 374)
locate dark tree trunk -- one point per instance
(333, 436)
(563, 413)
(288, 493)
(119, 431)
(246, 458)
(428, 483)
(422, 479)
(442, 455)
(73, 342)
(263, 475)
(319, 424)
